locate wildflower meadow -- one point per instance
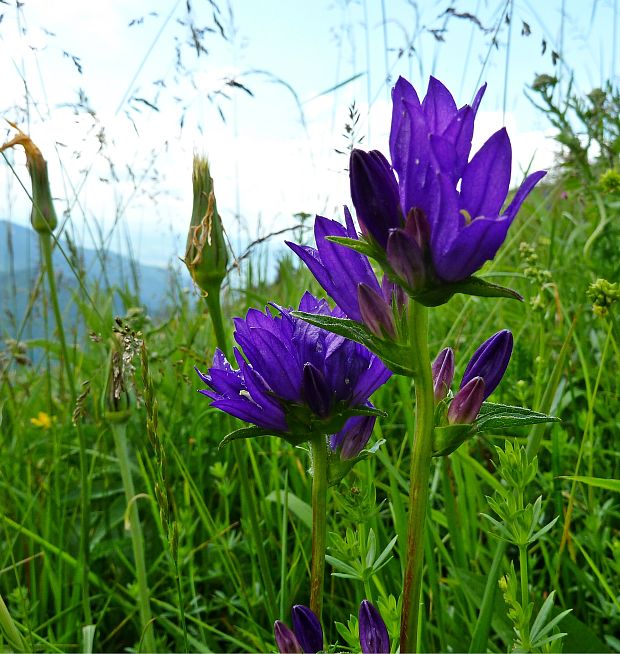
(386, 425)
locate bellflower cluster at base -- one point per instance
(482, 376)
(442, 217)
(296, 381)
(306, 637)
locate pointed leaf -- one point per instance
(245, 432)
(437, 295)
(502, 416)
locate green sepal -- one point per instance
(391, 353)
(368, 411)
(449, 438)
(338, 468)
(503, 416)
(359, 245)
(440, 294)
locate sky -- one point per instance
(118, 97)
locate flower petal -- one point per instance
(487, 177)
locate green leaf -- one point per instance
(351, 329)
(503, 416)
(244, 432)
(599, 482)
(392, 354)
(440, 294)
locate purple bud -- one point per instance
(352, 438)
(418, 227)
(406, 258)
(490, 361)
(443, 373)
(374, 637)
(286, 641)
(466, 404)
(315, 390)
(307, 629)
(375, 195)
(376, 312)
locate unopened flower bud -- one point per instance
(406, 259)
(206, 254)
(443, 373)
(286, 641)
(43, 215)
(352, 438)
(466, 404)
(374, 637)
(307, 629)
(376, 312)
(418, 227)
(490, 361)
(374, 192)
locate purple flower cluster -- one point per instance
(432, 217)
(296, 380)
(306, 637)
(432, 230)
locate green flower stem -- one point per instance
(215, 312)
(318, 447)
(419, 475)
(119, 431)
(46, 249)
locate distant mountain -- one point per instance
(149, 286)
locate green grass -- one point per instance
(565, 362)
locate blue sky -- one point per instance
(266, 162)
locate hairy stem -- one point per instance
(319, 522)
(419, 474)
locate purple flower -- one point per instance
(307, 629)
(293, 379)
(466, 404)
(286, 641)
(338, 270)
(443, 373)
(374, 637)
(352, 438)
(348, 277)
(307, 633)
(490, 361)
(482, 375)
(435, 233)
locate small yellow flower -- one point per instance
(43, 420)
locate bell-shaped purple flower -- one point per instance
(374, 192)
(466, 404)
(443, 373)
(286, 641)
(338, 270)
(374, 637)
(352, 438)
(293, 379)
(307, 629)
(490, 361)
